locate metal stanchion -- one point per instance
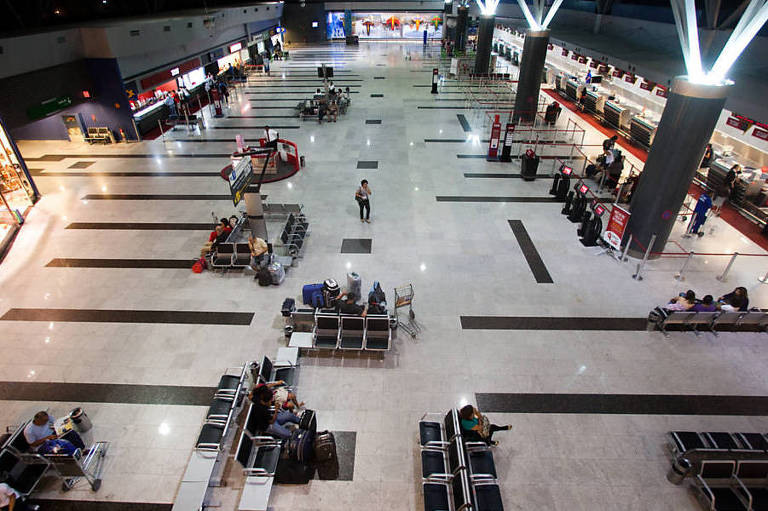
(641, 266)
(764, 278)
(681, 274)
(138, 137)
(724, 276)
(626, 249)
(200, 107)
(618, 194)
(160, 125)
(186, 118)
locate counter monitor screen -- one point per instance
(566, 170)
(597, 79)
(583, 189)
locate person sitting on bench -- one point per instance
(350, 305)
(707, 305)
(476, 426)
(269, 422)
(333, 111)
(736, 300)
(10, 499)
(259, 252)
(42, 438)
(683, 302)
(283, 397)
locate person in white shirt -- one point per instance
(40, 430)
(11, 500)
(271, 136)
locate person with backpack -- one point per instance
(351, 307)
(362, 196)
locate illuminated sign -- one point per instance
(235, 47)
(566, 170)
(583, 189)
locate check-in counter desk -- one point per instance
(594, 101)
(751, 188)
(574, 89)
(617, 115)
(147, 117)
(642, 131)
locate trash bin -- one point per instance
(80, 420)
(679, 470)
(529, 165)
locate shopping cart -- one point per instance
(404, 298)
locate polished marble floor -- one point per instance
(497, 249)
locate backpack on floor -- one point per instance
(264, 276)
(325, 447)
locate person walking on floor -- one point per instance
(362, 196)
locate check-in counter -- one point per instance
(642, 131)
(594, 101)
(617, 115)
(574, 89)
(146, 118)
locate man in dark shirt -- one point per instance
(350, 306)
(608, 143)
(273, 423)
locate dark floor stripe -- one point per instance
(129, 316)
(96, 505)
(449, 140)
(108, 196)
(459, 198)
(282, 88)
(535, 263)
(515, 157)
(464, 123)
(297, 92)
(141, 264)
(454, 108)
(552, 323)
(471, 156)
(633, 404)
(106, 393)
(130, 174)
(252, 128)
(493, 176)
(134, 226)
(60, 157)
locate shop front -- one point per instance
(237, 57)
(387, 25)
(17, 189)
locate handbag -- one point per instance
(485, 426)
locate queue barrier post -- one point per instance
(724, 276)
(626, 249)
(160, 125)
(681, 274)
(641, 266)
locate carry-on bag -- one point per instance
(277, 272)
(301, 445)
(325, 447)
(308, 420)
(308, 293)
(264, 277)
(354, 284)
(291, 471)
(331, 293)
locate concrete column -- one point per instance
(685, 128)
(531, 68)
(484, 43)
(460, 36)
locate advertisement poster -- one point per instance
(617, 224)
(386, 25)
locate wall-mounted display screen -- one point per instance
(386, 25)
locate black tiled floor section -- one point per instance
(121, 263)
(377, 95)
(141, 226)
(460, 198)
(81, 165)
(108, 196)
(379, 77)
(49, 157)
(107, 393)
(370, 164)
(464, 123)
(251, 128)
(552, 323)
(344, 469)
(294, 92)
(535, 263)
(491, 175)
(635, 404)
(373, 121)
(59, 157)
(129, 316)
(356, 245)
(131, 174)
(91, 505)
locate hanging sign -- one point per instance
(646, 86)
(593, 64)
(618, 73)
(49, 106)
(564, 53)
(760, 133)
(661, 91)
(617, 224)
(630, 79)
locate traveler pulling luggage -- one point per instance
(325, 447)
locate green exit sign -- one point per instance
(48, 107)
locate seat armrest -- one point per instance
(438, 478)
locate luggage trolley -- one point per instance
(404, 298)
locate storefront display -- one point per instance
(386, 25)
(17, 190)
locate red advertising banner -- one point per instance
(617, 224)
(582, 60)
(760, 133)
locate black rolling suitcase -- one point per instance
(308, 420)
(529, 165)
(300, 445)
(290, 471)
(325, 447)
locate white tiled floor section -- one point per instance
(462, 259)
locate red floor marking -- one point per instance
(730, 215)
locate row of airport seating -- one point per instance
(293, 235)
(728, 485)
(457, 474)
(681, 442)
(334, 331)
(714, 322)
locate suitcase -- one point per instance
(354, 284)
(331, 293)
(528, 167)
(301, 445)
(290, 471)
(325, 447)
(308, 293)
(277, 272)
(308, 420)
(264, 277)
(289, 305)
